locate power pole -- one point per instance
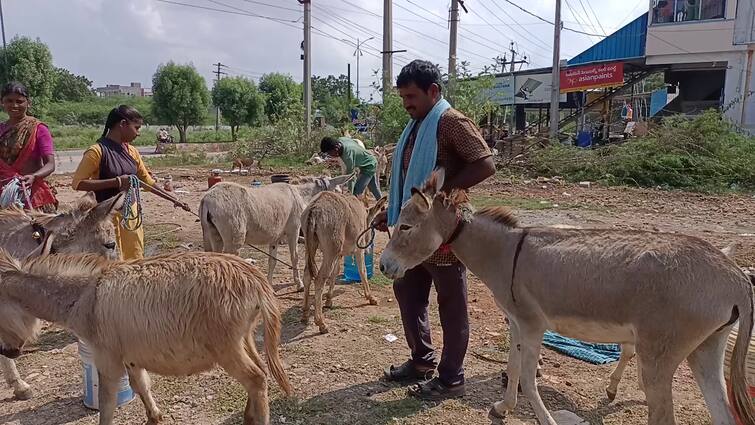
(218, 73)
(307, 66)
(358, 53)
(5, 47)
(387, 44)
(348, 77)
(513, 56)
(555, 84)
(452, 45)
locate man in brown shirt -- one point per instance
(467, 160)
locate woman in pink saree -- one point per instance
(26, 150)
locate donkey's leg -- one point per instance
(531, 339)
(21, 390)
(326, 269)
(332, 282)
(308, 275)
(140, 383)
(293, 244)
(658, 373)
(513, 371)
(362, 268)
(244, 364)
(627, 353)
(109, 372)
(706, 363)
(271, 261)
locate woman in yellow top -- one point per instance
(106, 169)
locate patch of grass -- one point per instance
(379, 320)
(529, 204)
(183, 159)
(380, 279)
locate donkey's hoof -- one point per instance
(328, 303)
(373, 301)
(611, 395)
(300, 287)
(323, 329)
(23, 392)
(495, 416)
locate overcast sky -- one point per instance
(119, 41)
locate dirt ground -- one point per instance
(336, 376)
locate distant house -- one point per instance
(134, 89)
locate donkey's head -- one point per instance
(17, 326)
(427, 220)
(86, 228)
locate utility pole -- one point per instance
(358, 53)
(387, 44)
(452, 45)
(555, 84)
(513, 56)
(348, 77)
(307, 66)
(5, 47)
(218, 73)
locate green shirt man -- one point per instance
(354, 157)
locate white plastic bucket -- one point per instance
(91, 382)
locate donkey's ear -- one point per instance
(86, 202)
(380, 205)
(106, 209)
(434, 183)
(420, 198)
(45, 248)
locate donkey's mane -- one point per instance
(15, 213)
(500, 215)
(66, 265)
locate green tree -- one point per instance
(281, 94)
(70, 87)
(30, 62)
(180, 96)
(239, 101)
(331, 96)
(471, 93)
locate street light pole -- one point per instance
(5, 47)
(358, 53)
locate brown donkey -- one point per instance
(675, 297)
(333, 223)
(86, 227)
(176, 314)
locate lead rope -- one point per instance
(132, 221)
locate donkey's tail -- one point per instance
(738, 375)
(210, 235)
(310, 243)
(272, 319)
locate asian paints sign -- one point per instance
(502, 92)
(592, 77)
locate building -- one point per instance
(134, 89)
(706, 49)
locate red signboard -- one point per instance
(592, 77)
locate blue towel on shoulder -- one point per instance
(591, 353)
(424, 156)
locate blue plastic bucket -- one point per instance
(350, 270)
(91, 382)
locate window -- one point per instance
(665, 11)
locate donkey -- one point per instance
(87, 227)
(334, 222)
(232, 214)
(673, 296)
(175, 314)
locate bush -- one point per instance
(704, 153)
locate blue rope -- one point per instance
(133, 196)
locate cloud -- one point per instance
(123, 41)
